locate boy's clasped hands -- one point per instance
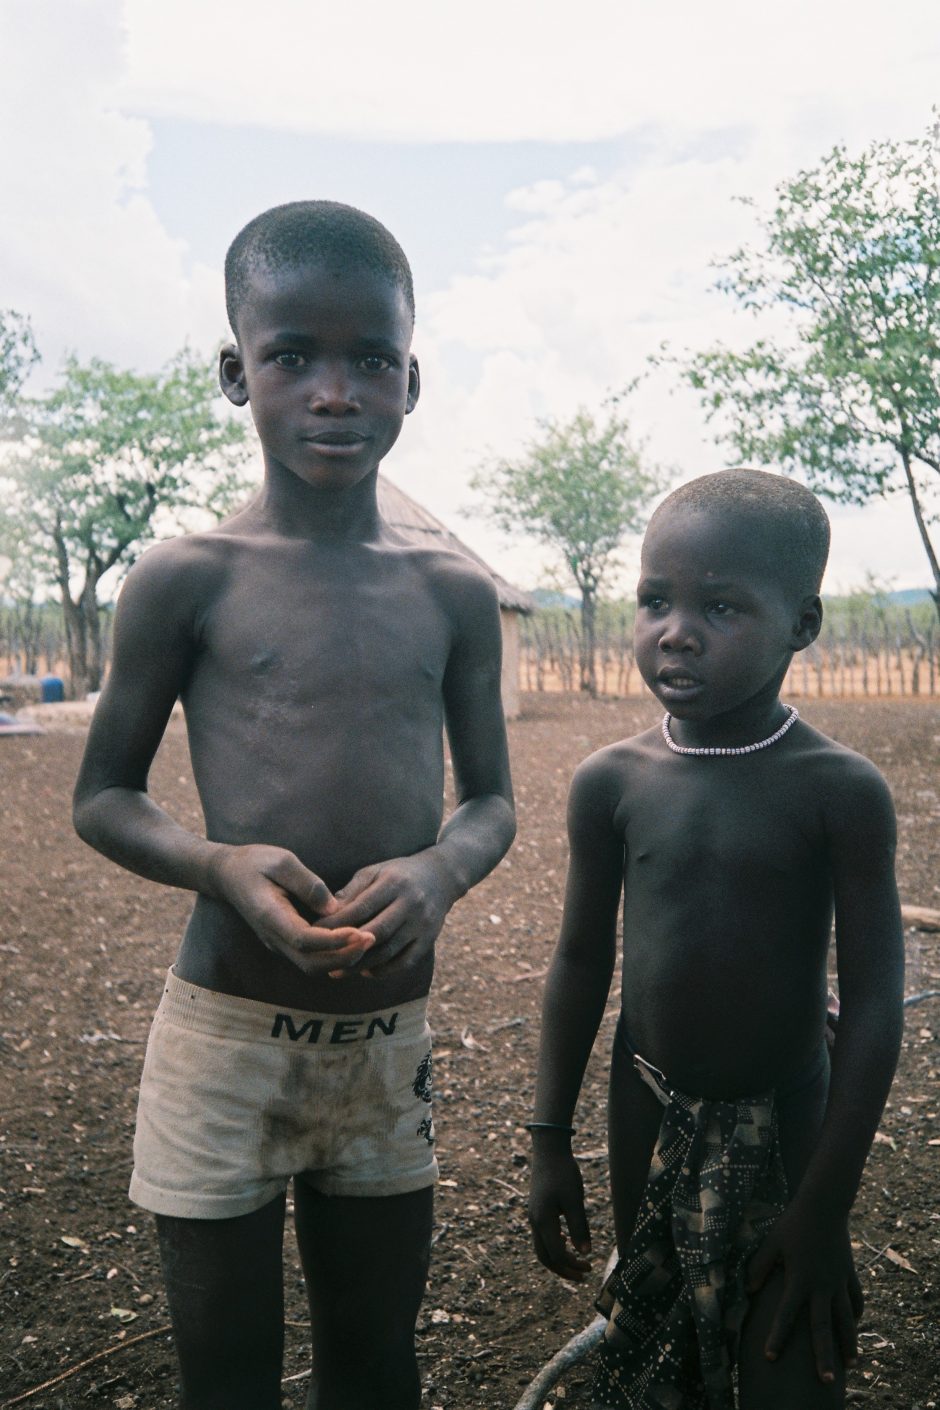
(392, 910)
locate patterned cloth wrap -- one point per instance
(676, 1300)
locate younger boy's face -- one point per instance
(323, 359)
(715, 627)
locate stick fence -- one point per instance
(894, 657)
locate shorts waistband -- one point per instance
(190, 1006)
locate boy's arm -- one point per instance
(575, 995)
(155, 642)
(811, 1238)
(404, 901)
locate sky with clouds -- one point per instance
(560, 176)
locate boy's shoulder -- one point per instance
(848, 783)
(172, 587)
(622, 755)
(438, 560)
(452, 574)
(603, 776)
(172, 564)
(818, 751)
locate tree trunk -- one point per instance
(82, 622)
(76, 642)
(76, 635)
(92, 619)
(922, 528)
(588, 641)
(25, 633)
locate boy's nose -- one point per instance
(677, 635)
(333, 395)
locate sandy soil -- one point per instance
(83, 951)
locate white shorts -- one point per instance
(237, 1097)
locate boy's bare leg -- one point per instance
(366, 1263)
(790, 1382)
(224, 1283)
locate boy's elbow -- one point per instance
(509, 824)
(86, 815)
(81, 816)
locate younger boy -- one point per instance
(735, 830)
(318, 656)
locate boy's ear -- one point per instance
(414, 384)
(232, 375)
(808, 623)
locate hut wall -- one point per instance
(510, 681)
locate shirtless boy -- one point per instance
(735, 831)
(318, 657)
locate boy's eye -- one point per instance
(653, 602)
(720, 609)
(374, 362)
(290, 359)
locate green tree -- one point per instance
(22, 593)
(111, 459)
(850, 396)
(579, 488)
(18, 354)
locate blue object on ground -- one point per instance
(51, 690)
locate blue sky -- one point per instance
(414, 188)
(561, 181)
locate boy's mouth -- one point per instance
(677, 680)
(338, 439)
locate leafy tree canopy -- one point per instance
(850, 397)
(17, 355)
(109, 459)
(580, 487)
(109, 448)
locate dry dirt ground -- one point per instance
(84, 948)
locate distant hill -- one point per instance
(905, 597)
(548, 597)
(908, 597)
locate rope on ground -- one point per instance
(80, 1365)
(573, 1351)
(919, 998)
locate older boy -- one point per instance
(318, 657)
(735, 830)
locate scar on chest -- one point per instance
(263, 662)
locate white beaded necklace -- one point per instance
(791, 719)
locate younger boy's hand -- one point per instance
(819, 1273)
(402, 902)
(556, 1192)
(265, 884)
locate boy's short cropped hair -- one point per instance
(306, 232)
(788, 517)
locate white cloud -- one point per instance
(590, 282)
(82, 250)
(593, 272)
(533, 69)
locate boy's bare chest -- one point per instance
(730, 826)
(325, 637)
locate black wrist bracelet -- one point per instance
(548, 1126)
